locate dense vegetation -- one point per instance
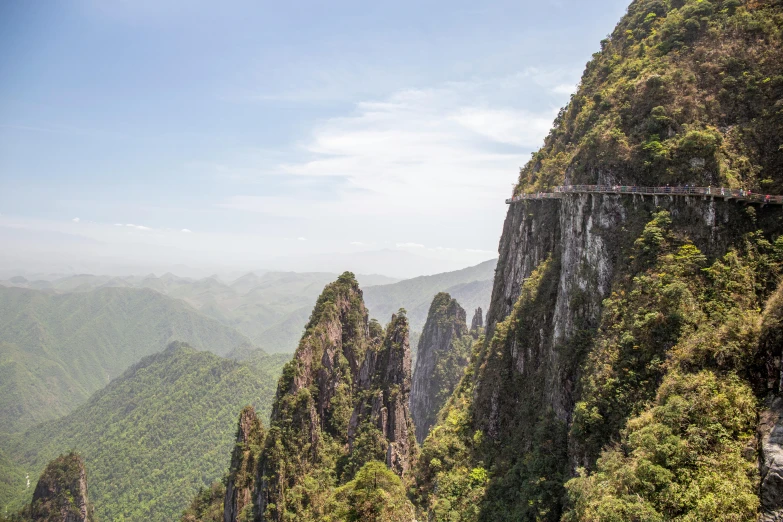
(661, 384)
(672, 371)
(153, 436)
(683, 91)
(375, 494)
(676, 358)
(56, 350)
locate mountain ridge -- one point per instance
(58, 349)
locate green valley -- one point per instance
(151, 438)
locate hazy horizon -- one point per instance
(374, 138)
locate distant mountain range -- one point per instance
(471, 287)
(271, 308)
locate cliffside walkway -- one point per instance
(704, 192)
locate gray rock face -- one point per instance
(61, 492)
(440, 362)
(241, 477)
(770, 433)
(323, 373)
(347, 379)
(586, 236)
(385, 384)
(478, 320)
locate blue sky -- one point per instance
(260, 134)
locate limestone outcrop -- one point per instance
(385, 384)
(238, 503)
(61, 492)
(443, 353)
(770, 433)
(477, 323)
(341, 402)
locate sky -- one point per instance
(375, 136)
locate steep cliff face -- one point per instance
(314, 402)
(240, 484)
(341, 402)
(477, 323)
(623, 329)
(607, 310)
(61, 492)
(382, 406)
(443, 353)
(770, 429)
(771, 468)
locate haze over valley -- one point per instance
(391, 262)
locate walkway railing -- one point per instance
(712, 192)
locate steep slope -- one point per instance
(153, 436)
(619, 379)
(444, 351)
(477, 323)
(61, 492)
(380, 427)
(340, 416)
(471, 286)
(55, 350)
(240, 482)
(321, 430)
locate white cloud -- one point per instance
(301, 239)
(416, 152)
(564, 88)
(411, 164)
(513, 127)
(479, 251)
(75, 220)
(138, 227)
(186, 231)
(118, 224)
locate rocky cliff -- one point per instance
(341, 403)
(61, 492)
(240, 483)
(382, 407)
(624, 329)
(769, 382)
(477, 323)
(443, 353)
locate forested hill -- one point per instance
(632, 363)
(151, 438)
(55, 350)
(681, 92)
